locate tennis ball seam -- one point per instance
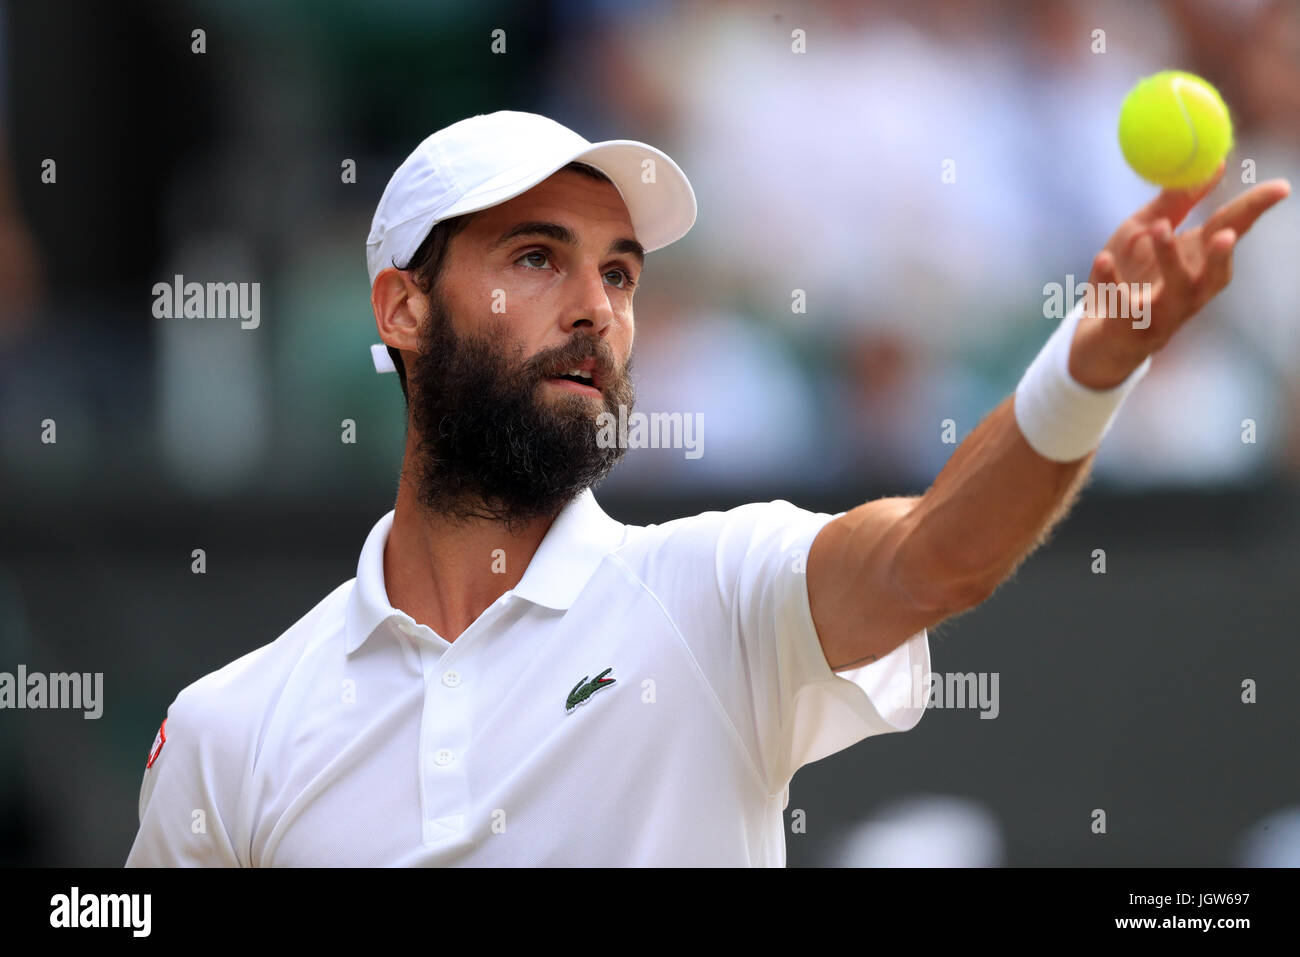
(1176, 85)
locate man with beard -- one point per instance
(485, 441)
(513, 677)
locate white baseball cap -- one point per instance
(490, 158)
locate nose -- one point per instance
(588, 306)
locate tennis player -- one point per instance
(515, 678)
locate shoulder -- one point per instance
(208, 747)
(224, 709)
(712, 525)
(715, 549)
(734, 531)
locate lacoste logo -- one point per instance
(584, 689)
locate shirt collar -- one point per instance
(577, 541)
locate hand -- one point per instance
(1181, 271)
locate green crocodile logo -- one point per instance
(584, 689)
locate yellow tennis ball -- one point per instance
(1174, 129)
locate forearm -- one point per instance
(1020, 471)
(994, 502)
(882, 571)
(912, 562)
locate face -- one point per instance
(531, 290)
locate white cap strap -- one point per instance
(383, 361)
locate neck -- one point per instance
(445, 572)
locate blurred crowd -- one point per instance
(920, 173)
(914, 179)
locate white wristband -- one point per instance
(1061, 419)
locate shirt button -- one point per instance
(451, 679)
(444, 757)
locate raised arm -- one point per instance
(884, 570)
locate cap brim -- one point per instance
(658, 196)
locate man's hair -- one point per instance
(427, 262)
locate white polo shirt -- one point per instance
(642, 697)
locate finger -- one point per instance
(1175, 204)
(1240, 214)
(1173, 271)
(1218, 263)
(1103, 275)
(1103, 266)
(1107, 289)
(1135, 236)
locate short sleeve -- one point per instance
(183, 794)
(803, 711)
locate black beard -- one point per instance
(489, 445)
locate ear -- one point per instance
(398, 305)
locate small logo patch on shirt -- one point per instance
(584, 689)
(159, 740)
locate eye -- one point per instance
(628, 281)
(535, 252)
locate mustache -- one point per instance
(577, 350)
